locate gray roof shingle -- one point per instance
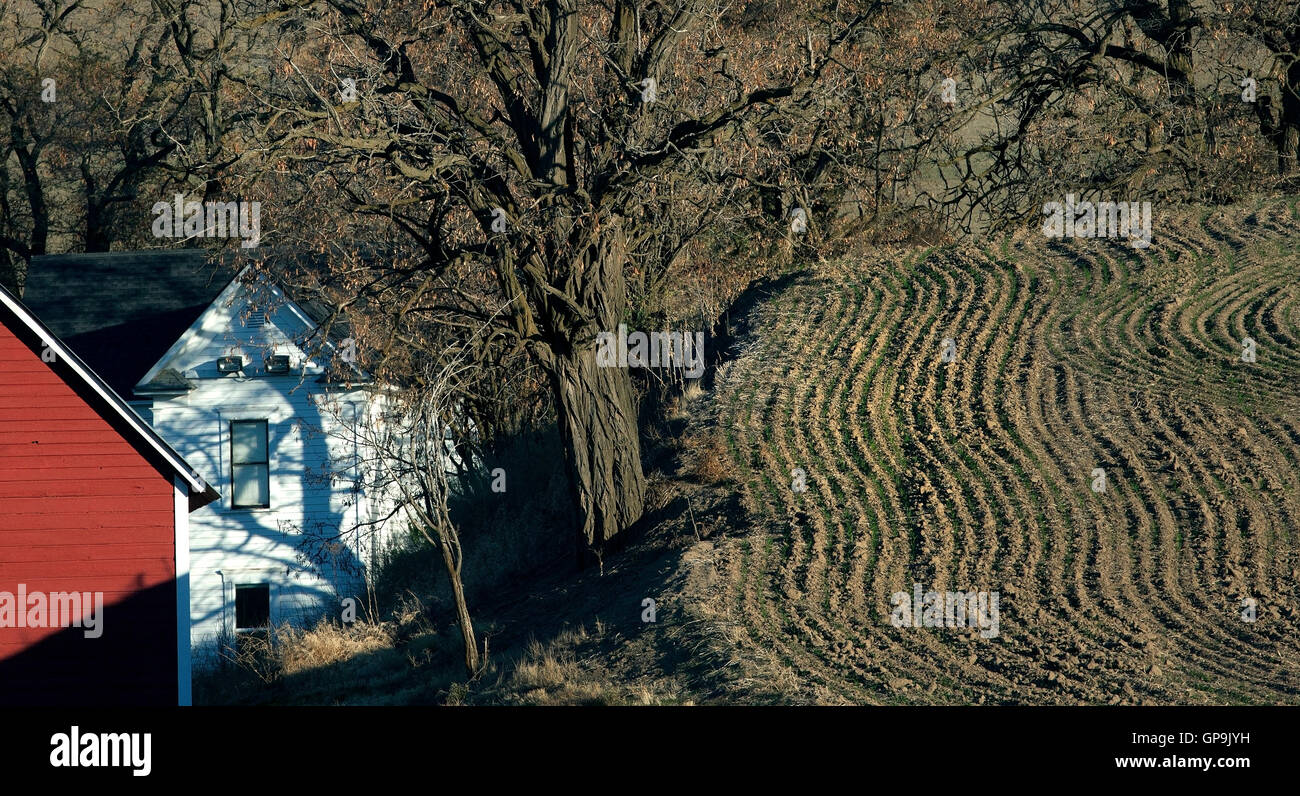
(168, 380)
(121, 311)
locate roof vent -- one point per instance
(277, 363)
(230, 364)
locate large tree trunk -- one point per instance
(1289, 138)
(597, 408)
(598, 422)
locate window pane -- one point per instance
(251, 487)
(247, 442)
(252, 606)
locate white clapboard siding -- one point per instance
(310, 442)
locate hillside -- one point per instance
(980, 473)
(975, 474)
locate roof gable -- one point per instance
(251, 318)
(121, 310)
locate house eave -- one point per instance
(201, 492)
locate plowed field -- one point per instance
(979, 473)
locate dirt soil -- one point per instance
(974, 467)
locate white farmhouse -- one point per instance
(222, 366)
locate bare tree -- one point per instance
(401, 464)
(1142, 96)
(522, 152)
(104, 107)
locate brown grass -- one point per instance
(712, 464)
(659, 492)
(553, 674)
(326, 644)
(679, 405)
(403, 662)
(360, 663)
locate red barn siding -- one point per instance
(82, 508)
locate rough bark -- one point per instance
(1289, 145)
(597, 415)
(597, 411)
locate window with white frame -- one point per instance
(250, 471)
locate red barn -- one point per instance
(94, 507)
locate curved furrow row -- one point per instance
(979, 473)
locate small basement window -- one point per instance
(252, 606)
(249, 465)
(252, 620)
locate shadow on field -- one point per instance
(735, 324)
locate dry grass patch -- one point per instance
(712, 464)
(299, 650)
(553, 674)
(363, 662)
(679, 405)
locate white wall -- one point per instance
(310, 445)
